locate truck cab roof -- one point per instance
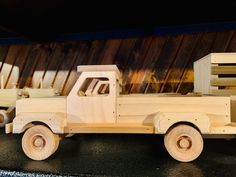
(100, 68)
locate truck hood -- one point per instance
(53, 105)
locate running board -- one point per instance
(108, 128)
(224, 129)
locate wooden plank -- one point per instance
(19, 65)
(8, 97)
(131, 64)
(202, 76)
(149, 109)
(223, 70)
(39, 58)
(135, 119)
(109, 51)
(108, 128)
(70, 52)
(40, 92)
(233, 110)
(146, 99)
(146, 67)
(222, 41)
(124, 54)
(3, 54)
(143, 99)
(95, 50)
(223, 129)
(232, 43)
(177, 69)
(145, 107)
(140, 57)
(218, 58)
(164, 62)
(55, 61)
(8, 65)
(46, 105)
(80, 58)
(223, 92)
(223, 82)
(101, 68)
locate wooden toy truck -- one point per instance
(96, 105)
(8, 99)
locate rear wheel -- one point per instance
(184, 143)
(39, 142)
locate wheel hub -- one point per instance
(39, 142)
(184, 143)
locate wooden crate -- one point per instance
(216, 74)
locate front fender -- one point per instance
(163, 121)
(55, 121)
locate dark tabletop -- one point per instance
(116, 155)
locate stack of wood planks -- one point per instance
(216, 74)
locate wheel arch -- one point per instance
(164, 121)
(184, 123)
(34, 123)
(55, 123)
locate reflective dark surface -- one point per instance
(117, 155)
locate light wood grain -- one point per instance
(223, 81)
(224, 92)
(184, 143)
(8, 97)
(209, 73)
(94, 108)
(38, 142)
(41, 92)
(181, 118)
(109, 128)
(223, 57)
(223, 70)
(32, 105)
(233, 108)
(202, 75)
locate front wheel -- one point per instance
(184, 143)
(39, 142)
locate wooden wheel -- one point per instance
(39, 142)
(4, 119)
(184, 143)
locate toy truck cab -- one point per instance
(93, 97)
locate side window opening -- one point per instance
(94, 87)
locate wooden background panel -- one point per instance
(202, 48)
(178, 66)
(150, 64)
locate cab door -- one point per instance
(94, 101)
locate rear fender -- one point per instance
(163, 121)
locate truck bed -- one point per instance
(142, 108)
